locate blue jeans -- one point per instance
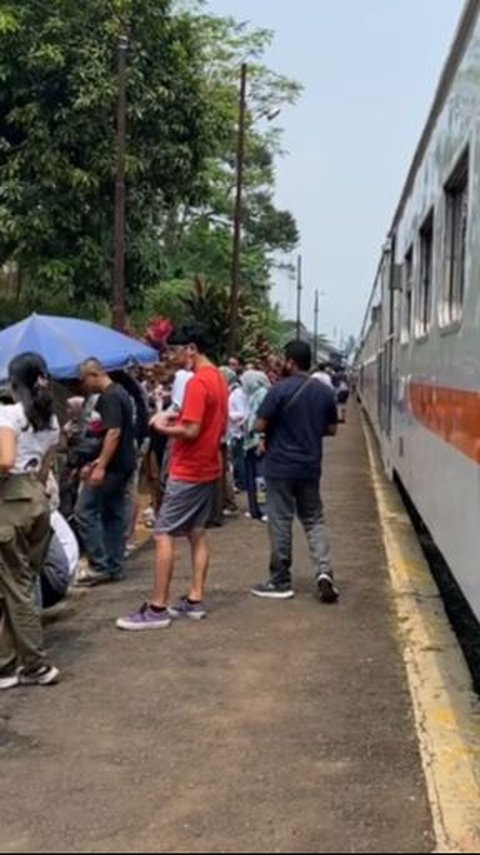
(101, 521)
(254, 468)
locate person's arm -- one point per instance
(267, 411)
(109, 447)
(112, 419)
(8, 449)
(189, 431)
(47, 464)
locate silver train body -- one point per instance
(418, 357)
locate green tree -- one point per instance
(266, 231)
(57, 157)
(57, 130)
(198, 238)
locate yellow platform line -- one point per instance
(447, 712)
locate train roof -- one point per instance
(457, 51)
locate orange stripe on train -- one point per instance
(451, 414)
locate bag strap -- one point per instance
(298, 392)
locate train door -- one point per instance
(392, 282)
(388, 381)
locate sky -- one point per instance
(369, 70)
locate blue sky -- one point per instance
(369, 68)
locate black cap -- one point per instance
(178, 338)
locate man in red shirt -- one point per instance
(195, 467)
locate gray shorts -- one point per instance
(185, 507)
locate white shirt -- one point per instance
(68, 540)
(182, 377)
(324, 377)
(237, 413)
(31, 446)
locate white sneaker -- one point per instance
(9, 679)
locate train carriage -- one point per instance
(418, 359)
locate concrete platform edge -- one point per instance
(446, 710)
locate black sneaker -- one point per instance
(46, 675)
(326, 589)
(272, 591)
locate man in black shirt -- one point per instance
(101, 508)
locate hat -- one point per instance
(178, 338)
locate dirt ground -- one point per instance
(270, 727)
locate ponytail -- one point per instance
(31, 385)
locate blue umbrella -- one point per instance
(66, 342)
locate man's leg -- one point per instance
(186, 507)
(164, 564)
(193, 606)
(114, 521)
(310, 513)
(281, 509)
(88, 515)
(155, 615)
(200, 563)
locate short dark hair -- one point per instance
(91, 364)
(177, 338)
(300, 353)
(196, 334)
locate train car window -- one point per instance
(424, 302)
(456, 200)
(407, 296)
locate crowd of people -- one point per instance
(198, 436)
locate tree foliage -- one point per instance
(58, 92)
(57, 136)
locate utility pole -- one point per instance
(119, 301)
(315, 328)
(237, 222)
(299, 297)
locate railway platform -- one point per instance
(270, 727)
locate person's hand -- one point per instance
(84, 473)
(161, 421)
(97, 475)
(261, 448)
